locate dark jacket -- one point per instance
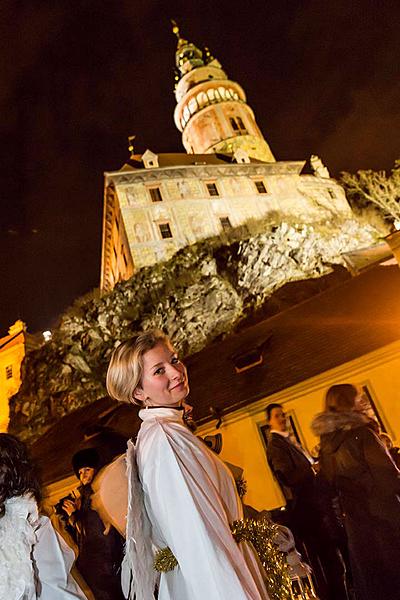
(100, 555)
(291, 468)
(354, 462)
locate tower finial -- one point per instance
(175, 28)
(131, 139)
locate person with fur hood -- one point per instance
(355, 464)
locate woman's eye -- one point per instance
(159, 371)
(174, 360)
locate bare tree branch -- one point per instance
(376, 187)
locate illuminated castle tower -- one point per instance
(211, 110)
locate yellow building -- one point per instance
(158, 203)
(13, 348)
(348, 333)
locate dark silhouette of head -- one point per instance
(17, 473)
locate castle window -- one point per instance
(260, 185)
(9, 371)
(165, 230)
(155, 194)
(212, 189)
(225, 223)
(331, 193)
(193, 106)
(237, 125)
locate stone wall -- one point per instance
(203, 292)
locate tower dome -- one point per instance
(211, 111)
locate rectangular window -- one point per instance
(260, 185)
(212, 189)
(237, 125)
(241, 125)
(155, 194)
(234, 125)
(165, 230)
(331, 193)
(225, 222)
(369, 407)
(9, 372)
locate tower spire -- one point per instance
(211, 110)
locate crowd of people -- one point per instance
(181, 501)
(343, 506)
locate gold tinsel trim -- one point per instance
(164, 560)
(261, 534)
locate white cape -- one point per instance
(35, 562)
(191, 500)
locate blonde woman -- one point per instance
(189, 495)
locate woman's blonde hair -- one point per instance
(341, 397)
(125, 370)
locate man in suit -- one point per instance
(293, 469)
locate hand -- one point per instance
(69, 506)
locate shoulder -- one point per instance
(275, 440)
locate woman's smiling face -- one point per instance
(164, 381)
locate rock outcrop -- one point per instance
(203, 292)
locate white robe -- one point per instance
(191, 500)
(35, 562)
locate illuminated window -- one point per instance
(202, 99)
(9, 372)
(155, 194)
(225, 223)
(212, 189)
(261, 189)
(193, 107)
(165, 230)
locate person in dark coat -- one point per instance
(100, 548)
(357, 466)
(292, 467)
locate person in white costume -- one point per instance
(35, 562)
(181, 496)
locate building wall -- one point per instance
(192, 213)
(12, 352)
(243, 444)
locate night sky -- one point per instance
(78, 77)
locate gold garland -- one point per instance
(164, 560)
(261, 534)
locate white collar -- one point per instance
(284, 434)
(161, 412)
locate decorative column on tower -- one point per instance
(211, 110)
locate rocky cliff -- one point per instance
(203, 292)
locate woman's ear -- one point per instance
(139, 394)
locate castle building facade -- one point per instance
(228, 179)
(13, 348)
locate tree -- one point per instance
(377, 188)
